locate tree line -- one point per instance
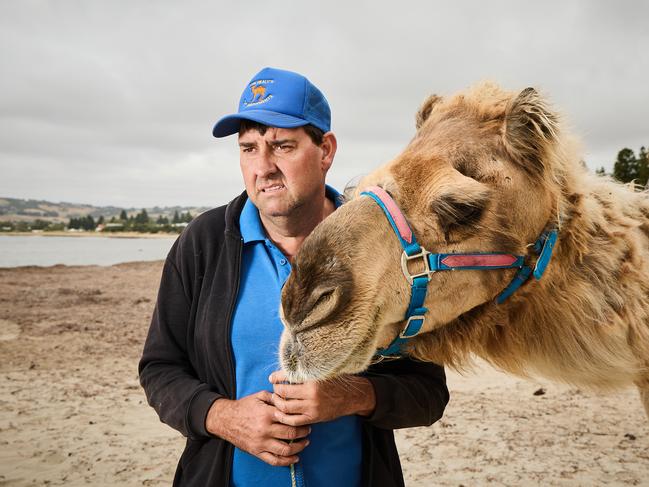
(141, 222)
(630, 168)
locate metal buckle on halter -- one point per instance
(405, 258)
(377, 359)
(415, 317)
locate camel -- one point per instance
(488, 171)
(258, 91)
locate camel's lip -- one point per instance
(364, 346)
(302, 363)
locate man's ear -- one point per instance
(425, 110)
(328, 146)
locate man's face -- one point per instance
(283, 169)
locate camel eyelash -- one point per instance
(454, 214)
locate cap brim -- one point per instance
(229, 124)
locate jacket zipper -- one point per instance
(233, 384)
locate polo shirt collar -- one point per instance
(250, 224)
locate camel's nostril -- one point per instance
(291, 351)
(291, 364)
(288, 348)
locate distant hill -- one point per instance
(16, 209)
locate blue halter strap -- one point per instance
(431, 263)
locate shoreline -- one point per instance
(92, 234)
(37, 267)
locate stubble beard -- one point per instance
(289, 209)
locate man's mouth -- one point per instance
(272, 188)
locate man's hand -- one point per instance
(314, 402)
(249, 424)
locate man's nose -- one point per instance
(265, 163)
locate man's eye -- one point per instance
(246, 149)
(284, 147)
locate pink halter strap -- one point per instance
(395, 212)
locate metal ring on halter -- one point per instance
(403, 333)
(405, 258)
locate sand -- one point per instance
(72, 411)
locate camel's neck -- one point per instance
(603, 243)
(593, 291)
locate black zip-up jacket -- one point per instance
(187, 360)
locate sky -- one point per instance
(112, 102)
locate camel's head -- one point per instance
(482, 174)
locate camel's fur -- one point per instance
(487, 171)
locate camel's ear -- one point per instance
(530, 130)
(425, 109)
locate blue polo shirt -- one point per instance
(333, 456)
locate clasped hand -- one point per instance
(311, 402)
(274, 426)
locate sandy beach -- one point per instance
(73, 412)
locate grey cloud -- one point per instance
(121, 96)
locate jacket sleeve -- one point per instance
(171, 385)
(409, 393)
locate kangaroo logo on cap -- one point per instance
(258, 89)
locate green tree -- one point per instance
(176, 218)
(643, 167)
(55, 227)
(162, 220)
(187, 217)
(626, 166)
(123, 216)
(88, 223)
(39, 224)
(85, 223)
(601, 171)
(101, 220)
(142, 217)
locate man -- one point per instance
(209, 366)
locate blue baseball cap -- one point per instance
(278, 98)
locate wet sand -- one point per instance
(73, 412)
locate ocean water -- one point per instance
(46, 251)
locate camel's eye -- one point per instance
(466, 214)
(458, 215)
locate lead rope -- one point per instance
(297, 476)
